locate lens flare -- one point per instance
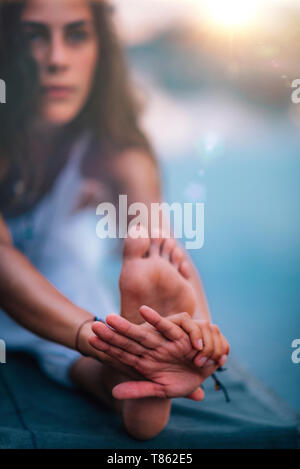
(231, 14)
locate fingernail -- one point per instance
(201, 361)
(223, 360)
(200, 344)
(209, 363)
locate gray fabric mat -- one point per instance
(37, 413)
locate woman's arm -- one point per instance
(32, 301)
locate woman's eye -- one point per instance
(35, 36)
(76, 37)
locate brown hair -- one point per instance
(111, 111)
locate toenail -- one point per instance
(202, 361)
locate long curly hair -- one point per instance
(111, 111)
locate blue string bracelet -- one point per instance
(93, 319)
(97, 319)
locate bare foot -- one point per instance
(155, 273)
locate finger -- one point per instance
(226, 346)
(115, 352)
(218, 345)
(223, 360)
(138, 390)
(166, 327)
(144, 337)
(114, 338)
(208, 370)
(191, 327)
(197, 395)
(221, 346)
(116, 364)
(208, 345)
(225, 351)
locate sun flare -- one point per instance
(231, 14)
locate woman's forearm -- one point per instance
(32, 301)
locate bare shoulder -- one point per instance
(134, 161)
(138, 172)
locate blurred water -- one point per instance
(250, 261)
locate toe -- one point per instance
(167, 248)
(177, 257)
(156, 243)
(185, 269)
(135, 246)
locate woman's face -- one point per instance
(63, 41)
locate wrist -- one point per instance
(82, 340)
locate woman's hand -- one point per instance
(164, 351)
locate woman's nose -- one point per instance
(58, 54)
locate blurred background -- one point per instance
(216, 79)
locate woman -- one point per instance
(71, 122)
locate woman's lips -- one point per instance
(57, 92)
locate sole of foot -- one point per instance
(155, 272)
